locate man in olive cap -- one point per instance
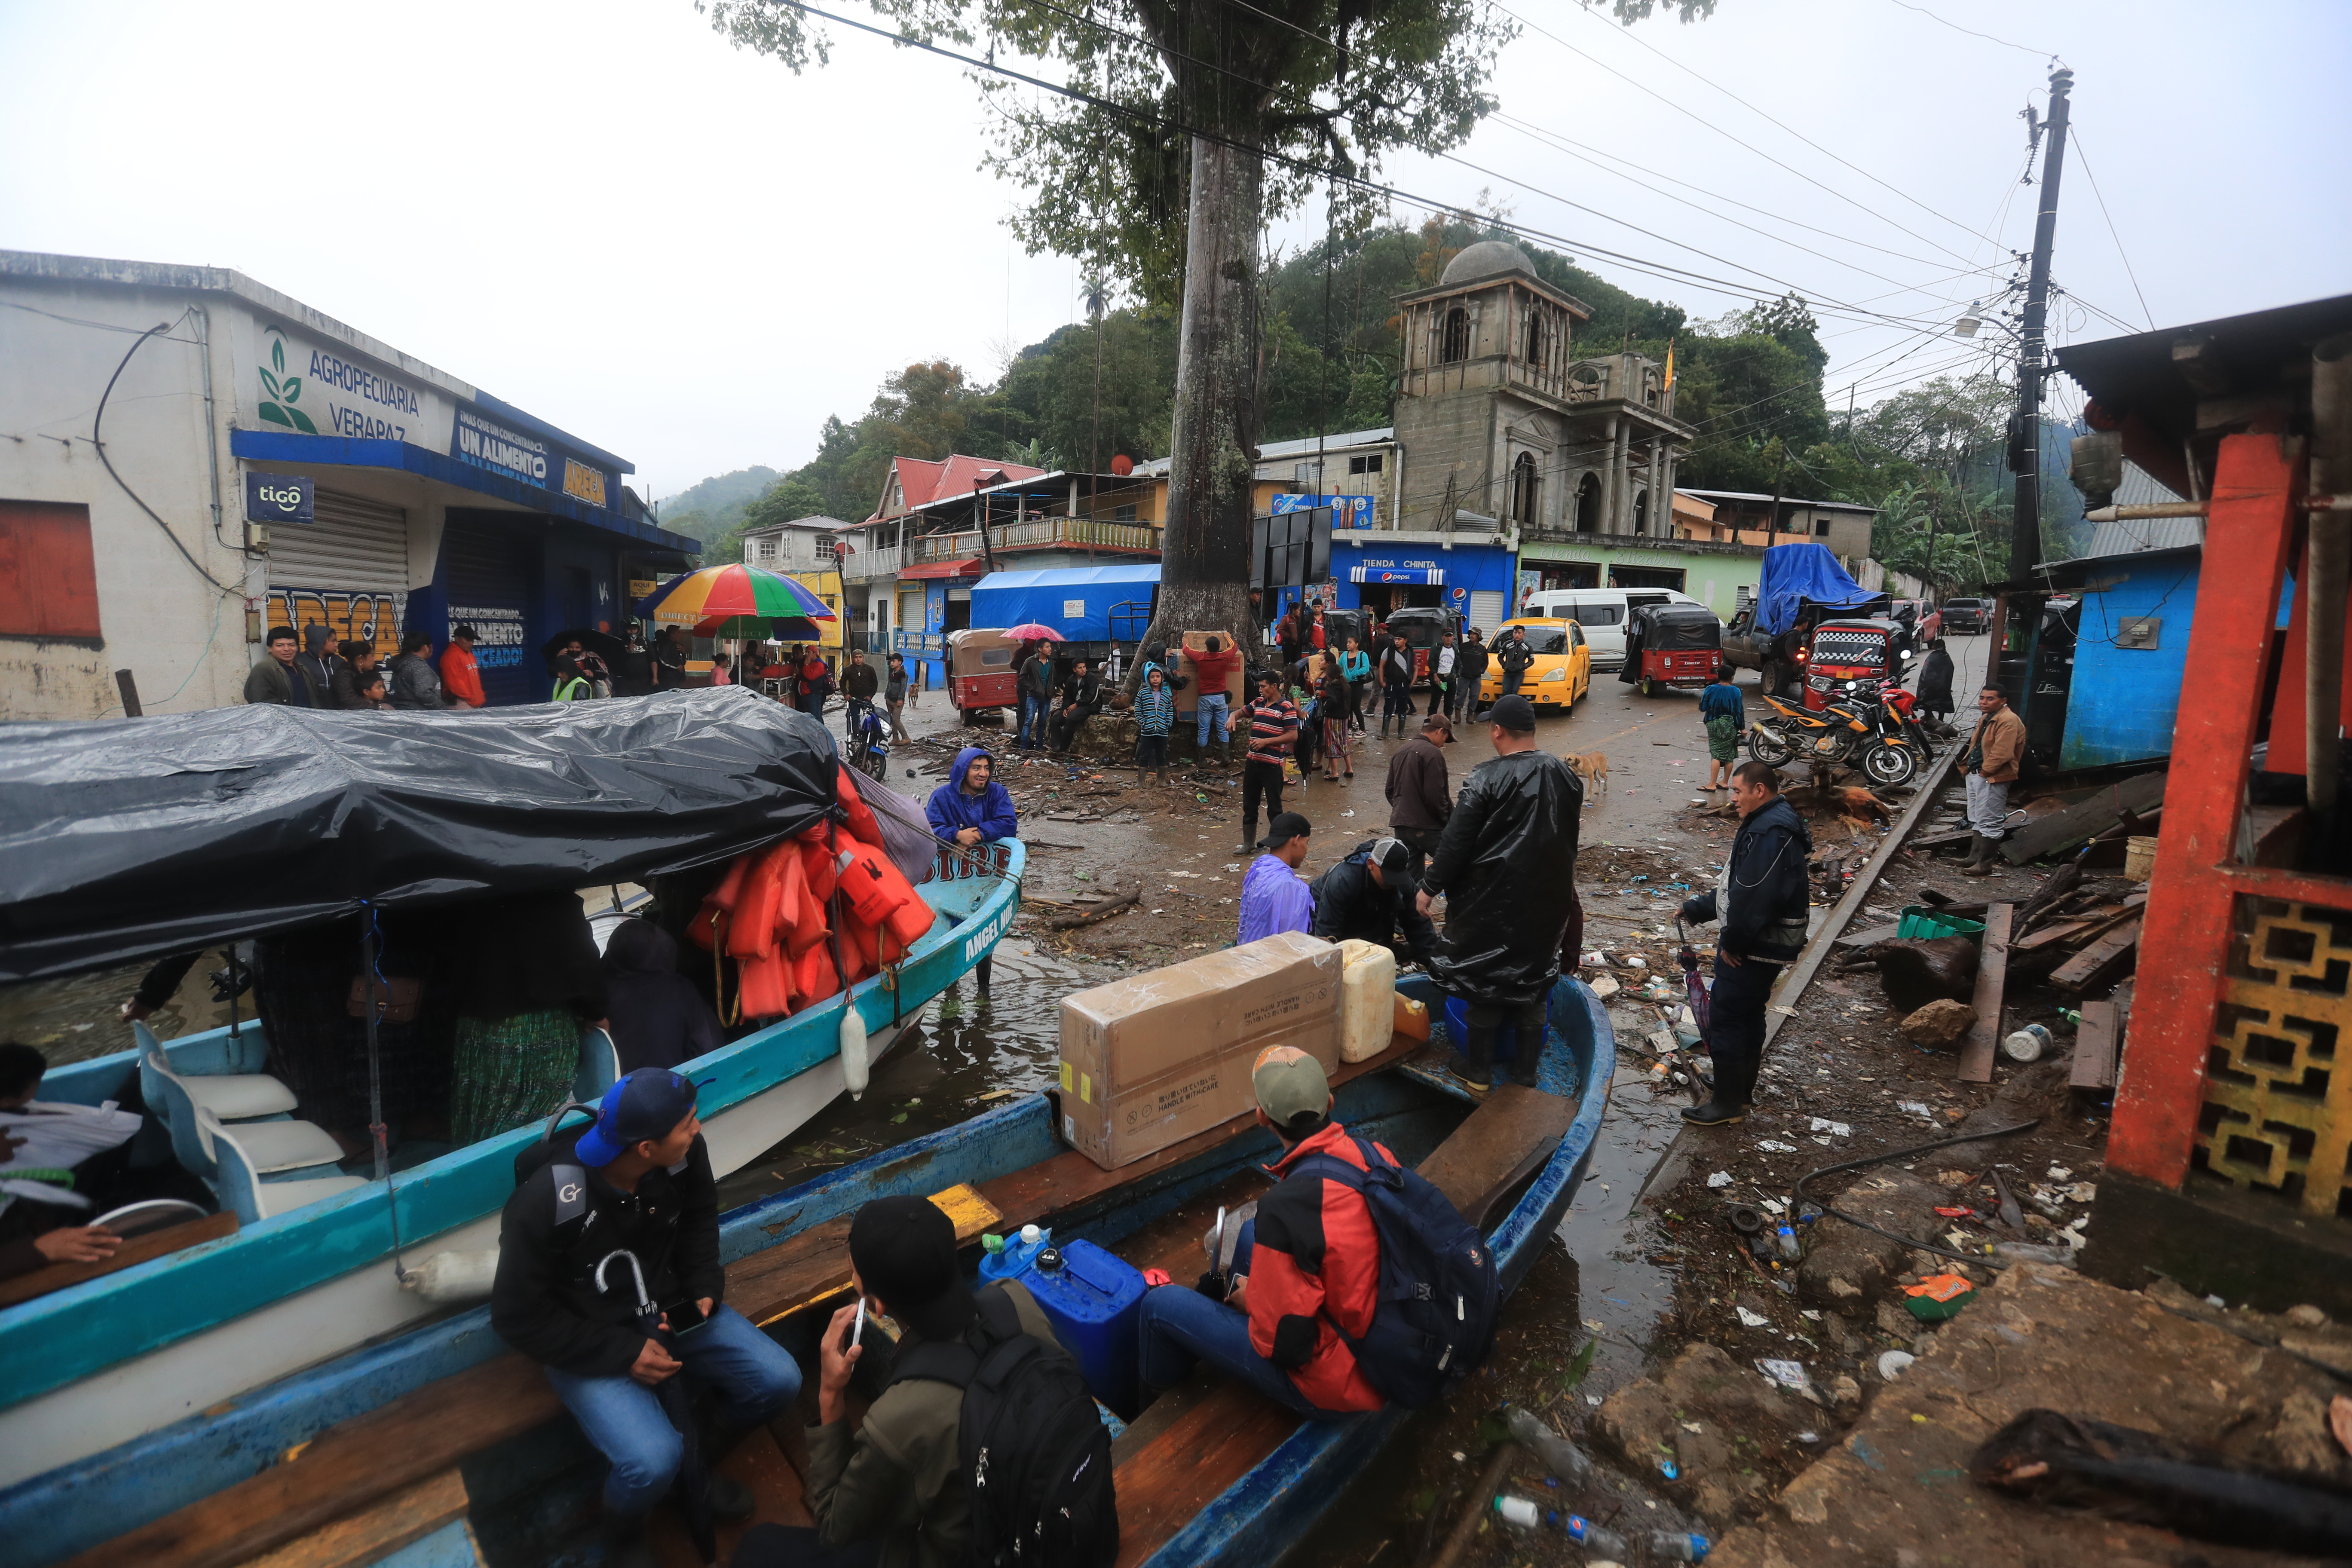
(1310, 1259)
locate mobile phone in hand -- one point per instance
(685, 1316)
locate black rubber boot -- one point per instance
(1525, 1065)
(1476, 1066)
(1980, 862)
(1735, 1085)
(623, 1544)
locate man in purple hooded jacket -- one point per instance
(971, 807)
(1272, 898)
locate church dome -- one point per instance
(1487, 258)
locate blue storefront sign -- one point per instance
(1347, 512)
(280, 498)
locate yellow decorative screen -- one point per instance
(2276, 1116)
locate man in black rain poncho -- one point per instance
(1507, 868)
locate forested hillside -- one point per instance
(1750, 381)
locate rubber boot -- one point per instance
(623, 1543)
(1163, 775)
(1476, 1066)
(718, 1438)
(1979, 860)
(1734, 1083)
(1249, 837)
(1524, 1064)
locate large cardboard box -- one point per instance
(1237, 687)
(1150, 1060)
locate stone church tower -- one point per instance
(1497, 420)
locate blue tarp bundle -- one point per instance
(1795, 574)
(1076, 601)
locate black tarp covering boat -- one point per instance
(126, 839)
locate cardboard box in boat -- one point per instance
(1154, 1059)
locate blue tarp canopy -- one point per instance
(1796, 574)
(1076, 601)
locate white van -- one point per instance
(1602, 612)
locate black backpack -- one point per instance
(1439, 1295)
(1036, 1454)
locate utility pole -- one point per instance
(2025, 524)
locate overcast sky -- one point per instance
(600, 212)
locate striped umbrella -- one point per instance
(731, 590)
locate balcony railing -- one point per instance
(1036, 533)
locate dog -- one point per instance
(1590, 768)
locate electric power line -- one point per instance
(2084, 160)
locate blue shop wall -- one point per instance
(2123, 702)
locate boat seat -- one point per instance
(231, 1097)
(242, 1166)
(599, 1067)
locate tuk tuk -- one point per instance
(1671, 646)
(982, 672)
(1840, 651)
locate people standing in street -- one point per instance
(278, 677)
(1505, 865)
(1469, 679)
(1274, 898)
(633, 670)
(1514, 655)
(1760, 898)
(367, 689)
(1936, 685)
(669, 659)
(971, 808)
(1036, 683)
(1273, 721)
(1441, 660)
(320, 662)
(1356, 666)
(1420, 794)
(639, 1181)
(860, 684)
(815, 682)
(1215, 666)
(1396, 685)
(355, 659)
(1996, 750)
(1723, 713)
(572, 686)
(1307, 747)
(1370, 896)
(415, 684)
(461, 673)
(1333, 712)
(894, 692)
(1079, 699)
(1155, 716)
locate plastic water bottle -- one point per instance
(1787, 1241)
(1002, 1257)
(1561, 1458)
(1598, 1540)
(1663, 1545)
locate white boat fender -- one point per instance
(451, 1276)
(853, 1051)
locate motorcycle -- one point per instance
(1867, 724)
(869, 744)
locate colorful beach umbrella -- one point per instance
(731, 590)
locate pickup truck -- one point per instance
(1802, 586)
(1966, 618)
(1779, 660)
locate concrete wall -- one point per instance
(182, 638)
(2122, 703)
(1712, 578)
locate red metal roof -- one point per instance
(922, 480)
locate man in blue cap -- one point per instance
(639, 1181)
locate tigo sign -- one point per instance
(280, 498)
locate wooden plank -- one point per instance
(776, 1497)
(1167, 1474)
(1875, 933)
(2103, 962)
(137, 1249)
(410, 1514)
(804, 1270)
(1993, 973)
(1497, 1145)
(2085, 820)
(2057, 934)
(2095, 1047)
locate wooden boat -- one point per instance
(298, 1268)
(439, 1444)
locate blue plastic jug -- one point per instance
(1010, 1256)
(1095, 1302)
(1458, 1029)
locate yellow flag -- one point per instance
(1670, 362)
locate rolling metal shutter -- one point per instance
(489, 577)
(349, 570)
(1489, 609)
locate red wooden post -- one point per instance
(2186, 930)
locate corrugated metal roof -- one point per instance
(2130, 536)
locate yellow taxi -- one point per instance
(1562, 672)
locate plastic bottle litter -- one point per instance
(1561, 1458)
(1787, 1239)
(1664, 1545)
(2028, 1044)
(1517, 1510)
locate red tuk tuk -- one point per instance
(980, 672)
(1671, 646)
(1848, 650)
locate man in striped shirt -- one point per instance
(1273, 721)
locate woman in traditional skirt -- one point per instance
(526, 979)
(1725, 715)
(1336, 718)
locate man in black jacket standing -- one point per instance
(1505, 866)
(1469, 675)
(1514, 655)
(1761, 898)
(638, 1182)
(1421, 796)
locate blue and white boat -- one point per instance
(448, 1445)
(153, 828)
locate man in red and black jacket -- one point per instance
(1310, 1259)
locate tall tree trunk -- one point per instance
(1204, 562)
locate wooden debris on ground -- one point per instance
(1992, 973)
